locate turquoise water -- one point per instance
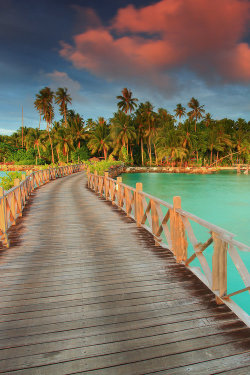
(222, 199)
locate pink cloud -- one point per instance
(205, 36)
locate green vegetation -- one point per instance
(136, 134)
(102, 166)
(7, 182)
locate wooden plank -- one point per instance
(112, 353)
(77, 299)
(151, 359)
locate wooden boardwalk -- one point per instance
(84, 291)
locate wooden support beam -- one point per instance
(119, 197)
(138, 204)
(106, 185)
(178, 236)
(219, 264)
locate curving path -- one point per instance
(83, 291)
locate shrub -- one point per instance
(7, 182)
(80, 153)
(102, 166)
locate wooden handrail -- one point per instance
(12, 202)
(172, 228)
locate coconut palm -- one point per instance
(180, 111)
(149, 118)
(126, 103)
(34, 140)
(208, 120)
(63, 142)
(196, 112)
(99, 139)
(76, 125)
(44, 105)
(62, 98)
(140, 130)
(122, 130)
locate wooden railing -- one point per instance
(13, 201)
(172, 228)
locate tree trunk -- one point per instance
(211, 156)
(38, 149)
(150, 151)
(67, 157)
(142, 152)
(65, 116)
(156, 159)
(105, 153)
(52, 152)
(58, 155)
(79, 144)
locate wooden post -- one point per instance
(106, 185)
(95, 180)
(179, 242)
(88, 176)
(219, 267)
(3, 219)
(18, 195)
(138, 204)
(155, 220)
(119, 198)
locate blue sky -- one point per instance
(164, 51)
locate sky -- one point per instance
(165, 51)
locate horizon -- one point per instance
(95, 50)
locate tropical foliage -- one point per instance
(136, 133)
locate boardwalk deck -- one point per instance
(85, 291)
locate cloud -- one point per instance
(62, 79)
(4, 131)
(151, 42)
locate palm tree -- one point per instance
(126, 103)
(22, 133)
(63, 141)
(180, 111)
(34, 140)
(196, 111)
(99, 139)
(208, 119)
(62, 98)
(44, 105)
(140, 130)
(76, 125)
(149, 119)
(122, 130)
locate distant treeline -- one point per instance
(137, 133)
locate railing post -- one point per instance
(138, 204)
(106, 174)
(18, 193)
(219, 267)
(95, 180)
(155, 221)
(179, 242)
(3, 218)
(119, 181)
(88, 176)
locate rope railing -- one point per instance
(172, 228)
(12, 202)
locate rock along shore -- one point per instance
(114, 172)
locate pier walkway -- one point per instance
(84, 291)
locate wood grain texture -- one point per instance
(84, 290)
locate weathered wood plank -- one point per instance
(77, 299)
